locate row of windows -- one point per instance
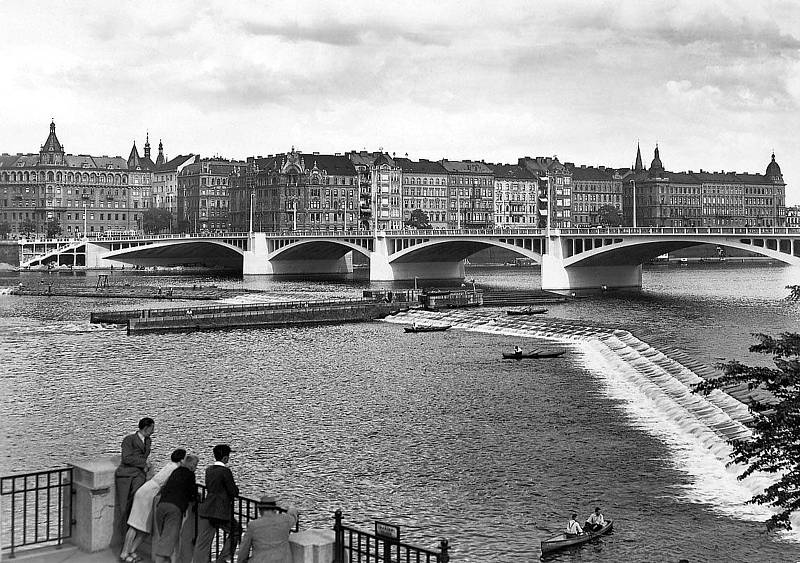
(69, 177)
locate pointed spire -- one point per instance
(134, 162)
(147, 145)
(160, 158)
(638, 167)
(51, 145)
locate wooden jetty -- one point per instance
(253, 315)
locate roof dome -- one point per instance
(656, 167)
(773, 170)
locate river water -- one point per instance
(433, 432)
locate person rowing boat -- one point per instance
(595, 521)
(573, 528)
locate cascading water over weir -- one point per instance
(656, 390)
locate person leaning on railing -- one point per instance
(268, 535)
(132, 471)
(176, 495)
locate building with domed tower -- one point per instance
(655, 197)
(80, 193)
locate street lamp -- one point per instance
(84, 217)
(633, 183)
(252, 197)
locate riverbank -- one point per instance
(127, 291)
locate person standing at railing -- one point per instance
(268, 536)
(216, 511)
(178, 492)
(142, 508)
(132, 471)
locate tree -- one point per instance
(609, 216)
(53, 228)
(418, 220)
(775, 445)
(27, 226)
(155, 220)
(5, 229)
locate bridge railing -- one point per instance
(500, 231)
(678, 231)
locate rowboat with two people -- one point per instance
(538, 353)
(527, 311)
(426, 328)
(565, 540)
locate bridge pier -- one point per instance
(254, 259)
(559, 277)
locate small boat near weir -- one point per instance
(534, 354)
(526, 311)
(427, 328)
(562, 541)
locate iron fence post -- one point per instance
(445, 557)
(338, 534)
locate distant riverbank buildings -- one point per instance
(363, 190)
(703, 199)
(74, 192)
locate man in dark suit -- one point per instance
(216, 511)
(132, 471)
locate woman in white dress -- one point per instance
(142, 508)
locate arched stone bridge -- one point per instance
(570, 258)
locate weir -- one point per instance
(657, 392)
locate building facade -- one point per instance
(592, 189)
(470, 194)
(203, 197)
(296, 191)
(659, 198)
(555, 189)
(793, 217)
(165, 180)
(516, 196)
(425, 188)
(76, 193)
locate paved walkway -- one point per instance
(67, 554)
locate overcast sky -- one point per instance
(715, 84)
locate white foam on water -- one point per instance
(656, 392)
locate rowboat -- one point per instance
(527, 311)
(426, 328)
(561, 540)
(534, 354)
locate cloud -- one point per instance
(340, 34)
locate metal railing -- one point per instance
(353, 546)
(36, 508)
(244, 510)
(497, 231)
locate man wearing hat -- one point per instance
(268, 535)
(216, 511)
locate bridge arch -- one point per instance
(210, 253)
(633, 251)
(316, 249)
(458, 249)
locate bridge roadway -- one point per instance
(571, 259)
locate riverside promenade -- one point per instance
(70, 514)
